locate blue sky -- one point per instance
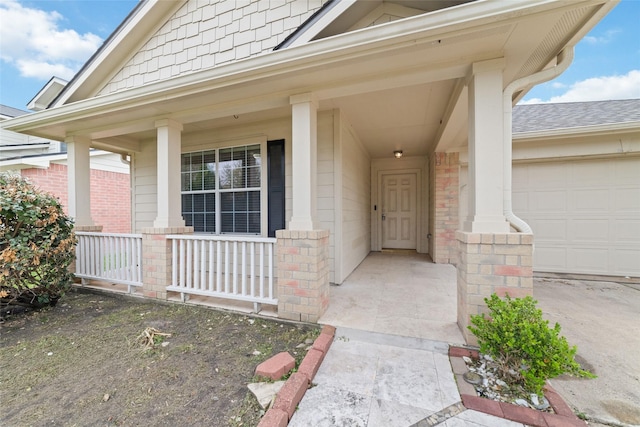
(40, 39)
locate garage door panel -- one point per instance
(627, 261)
(547, 175)
(549, 230)
(627, 199)
(548, 201)
(627, 172)
(627, 230)
(588, 174)
(551, 258)
(520, 200)
(590, 260)
(590, 200)
(520, 178)
(587, 230)
(585, 214)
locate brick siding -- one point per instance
(110, 194)
(444, 216)
(303, 274)
(499, 263)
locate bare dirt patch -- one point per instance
(81, 363)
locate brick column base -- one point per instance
(303, 274)
(491, 263)
(156, 260)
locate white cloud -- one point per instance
(626, 86)
(607, 37)
(32, 41)
(43, 70)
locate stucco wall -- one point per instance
(205, 34)
(356, 201)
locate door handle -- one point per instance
(383, 217)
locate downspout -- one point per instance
(564, 59)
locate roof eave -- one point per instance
(139, 20)
(412, 31)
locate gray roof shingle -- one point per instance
(540, 117)
(5, 110)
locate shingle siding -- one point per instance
(205, 34)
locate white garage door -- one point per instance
(585, 214)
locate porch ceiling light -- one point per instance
(397, 153)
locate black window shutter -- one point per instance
(275, 185)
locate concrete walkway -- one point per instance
(373, 379)
(396, 314)
(399, 293)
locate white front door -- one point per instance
(399, 211)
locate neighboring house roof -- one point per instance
(47, 94)
(10, 112)
(14, 145)
(570, 115)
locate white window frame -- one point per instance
(217, 146)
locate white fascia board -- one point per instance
(14, 164)
(331, 15)
(150, 9)
(22, 147)
(368, 41)
(578, 131)
(41, 162)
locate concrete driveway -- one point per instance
(603, 320)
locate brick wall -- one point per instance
(110, 194)
(204, 34)
(499, 263)
(444, 216)
(303, 274)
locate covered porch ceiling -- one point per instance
(401, 85)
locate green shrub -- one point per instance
(37, 245)
(516, 336)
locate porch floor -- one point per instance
(399, 293)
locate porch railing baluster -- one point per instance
(115, 258)
(225, 267)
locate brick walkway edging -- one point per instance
(294, 388)
(563, 417)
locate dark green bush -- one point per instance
(37, 245)
(516, 336)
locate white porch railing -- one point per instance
(116, 258)
(239, 268)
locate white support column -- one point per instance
(168, 174)
(79, 180)
(486, 154)
(304, 109)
